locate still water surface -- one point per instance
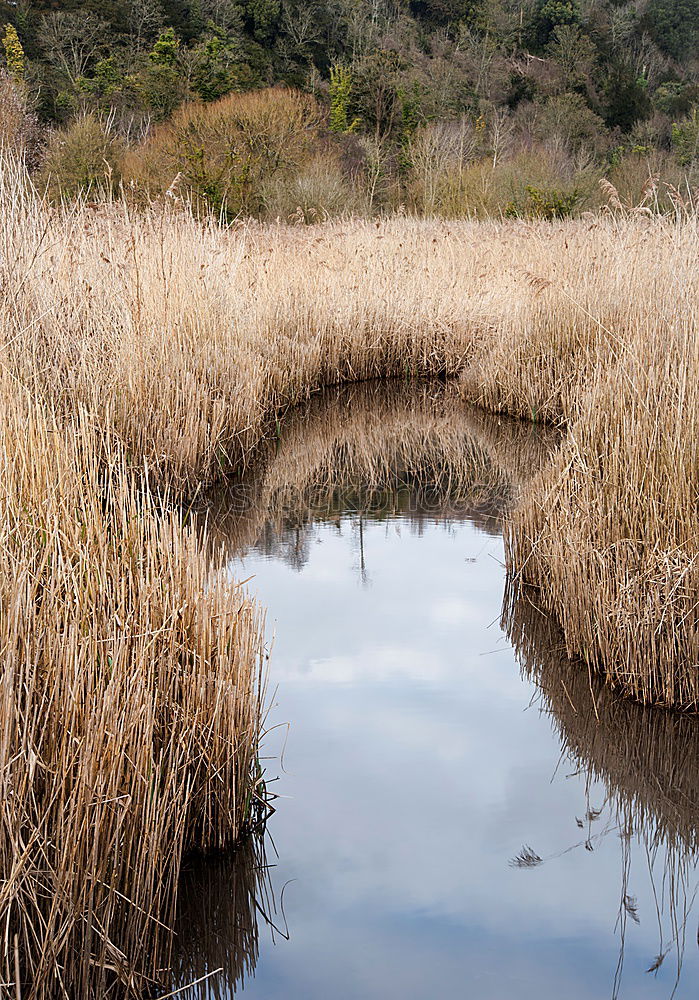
(448, 825)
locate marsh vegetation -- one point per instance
(552, 839)
(147, 353)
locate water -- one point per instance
(446, 826)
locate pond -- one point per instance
(462, 810)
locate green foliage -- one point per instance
(264, 17)
(550, 15)
(106, 82)
(546, 203)
(162, 90)
(84, 158)
(377, 90)
(627, 100)
(166, 50)
(674, 26)
(340, 100)
(556, 75)
(685, 139)
(411, 113)
(443, 12)
(216, 63)
(676, 98)
(14, 53)
(162, 86)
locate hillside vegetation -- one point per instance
(447, 107)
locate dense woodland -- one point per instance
(439, 106)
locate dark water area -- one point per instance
(462, 810)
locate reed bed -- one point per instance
(609, 532)
(186, 339)
(143, 354)
(130, 710)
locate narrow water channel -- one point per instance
(462, 811)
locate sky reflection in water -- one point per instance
(417, 766)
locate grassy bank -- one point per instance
(144, 354)
(129, 705)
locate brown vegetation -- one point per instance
(130, 692)
(147, 350)
(272, 154)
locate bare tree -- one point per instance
(574, 52)
(225, 14)
(438, 152)
(501, 131)
(301, 23)
(71, 41)
(145, 18)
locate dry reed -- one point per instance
(147, 348)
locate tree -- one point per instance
(377, 90)
(14, 53)
(443, 12)
(163, 85)
(302, 24)
(567, 118)
(215, 64)
(340, 99)
(145, 18)
(627, 100)
(574, 53)
(263, 17)
(166, 50)
(550, 15)
(685, 139)
(71, 41)
(82, 158)
(225, 14)
(673, 25)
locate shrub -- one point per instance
(685, 139)
(539, 183)
(544, 203)
(320, 190)
(19, 126)
(437, 155)
(567, 119)
(224, 153)
(14, 53)
(83, 158)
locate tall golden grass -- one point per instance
(130, 689)
(145, 353)
(608, 343)
(129, 705)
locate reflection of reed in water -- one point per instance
(216, 926)
(647, 758)
(378, 450)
